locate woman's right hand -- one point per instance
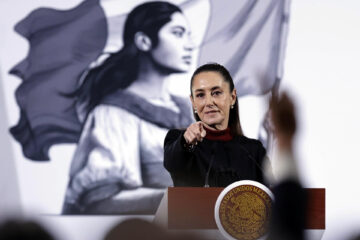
(195, 133)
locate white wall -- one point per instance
(322, 71)
(9, 189)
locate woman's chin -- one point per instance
(211, 122)
(182, 69)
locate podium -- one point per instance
(190, 208)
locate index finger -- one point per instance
(202, 129)
(207, 126)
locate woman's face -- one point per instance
(174, 49)
(212, 99)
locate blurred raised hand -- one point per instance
(282, 111)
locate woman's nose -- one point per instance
(209, 100)
(190, 44)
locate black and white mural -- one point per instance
(95, 88)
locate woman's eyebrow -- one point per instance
(181, 28)
(216, 87)
(211, 89)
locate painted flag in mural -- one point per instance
(247, 36)
(62, 45)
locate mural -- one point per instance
(113, 76)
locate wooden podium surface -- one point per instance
(193, 208)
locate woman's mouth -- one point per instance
(187, 59)
(211, 112)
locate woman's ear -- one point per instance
(142, 41)
(233, 96)
(192, 101)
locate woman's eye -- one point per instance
(178, 33)
(199, 95)
(216, 93)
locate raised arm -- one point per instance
(178, 146)
(175, 153)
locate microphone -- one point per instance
(252, 159)
(210, 164)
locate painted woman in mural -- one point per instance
(128, 111)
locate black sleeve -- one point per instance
(257, 153)
(260, 155)
(175, 154)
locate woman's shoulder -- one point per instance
(175, 132)
(174, 135)
(249, 141)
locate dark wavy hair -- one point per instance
(234, 120)
(120, 69)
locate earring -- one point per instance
(232, 106)
(195, 110)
